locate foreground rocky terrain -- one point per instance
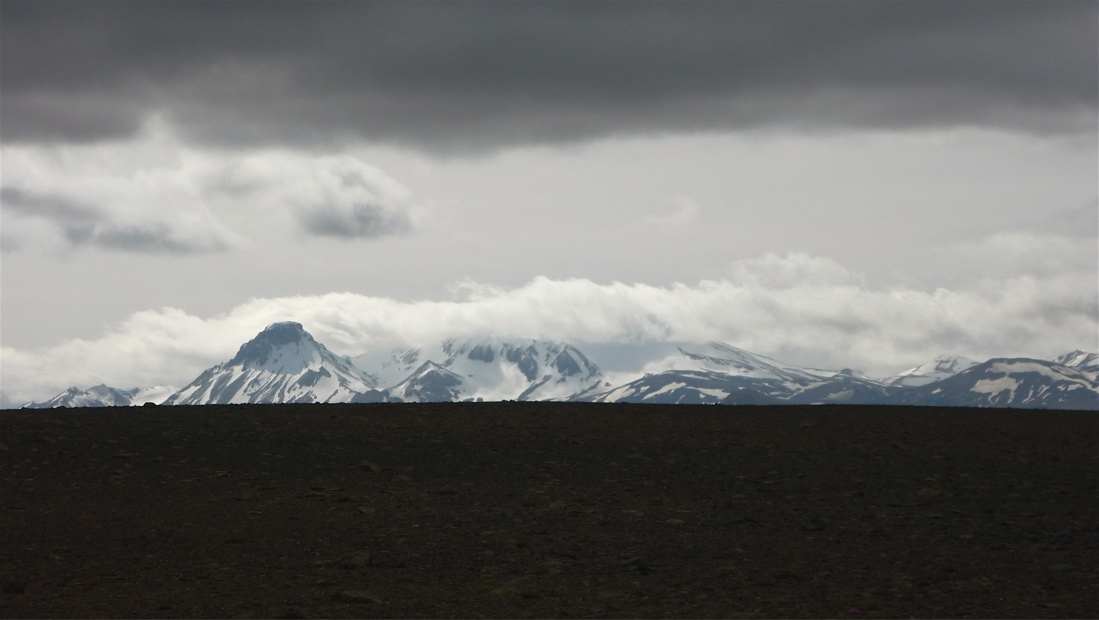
(548, 510)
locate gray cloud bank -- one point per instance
(475, 75)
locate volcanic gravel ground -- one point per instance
(548, 510)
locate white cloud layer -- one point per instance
(156, 196)
(155, 209)
(793, 270)
(334, 196)
(798, 308)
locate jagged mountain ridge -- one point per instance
(284, 364)
(105, 396)
(485, 368)
(1010, 382)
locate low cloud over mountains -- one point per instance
(284, 364)
(831, 324)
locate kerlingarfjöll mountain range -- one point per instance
(284, 364)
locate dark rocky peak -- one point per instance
(283, 332)
(947, 364)
(274, 336)
(525, 358)
(482, 353)
(570, 361)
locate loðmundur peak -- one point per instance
(283, 332)
(272, 337)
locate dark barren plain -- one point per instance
(548, 510)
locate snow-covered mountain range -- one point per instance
(484, 368)
(284, 364)
(717, 373)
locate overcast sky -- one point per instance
(838, 184)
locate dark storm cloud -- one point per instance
(137, 237)
(481, 74)
(355, 221)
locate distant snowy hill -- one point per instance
(679, 387)
(732, 361)
(283, 364)
(1009, 382)
(156, 394)
(1080, 360)
(936, 370)
(720, 373)
(430, 383)
(105, 396)
(746, 396)
(846, 386)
